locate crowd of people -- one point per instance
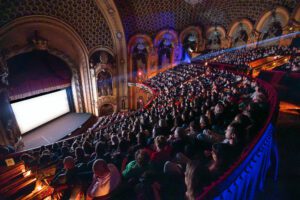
(199, 123)
(246, 55)
(241, 58)
(292, 66)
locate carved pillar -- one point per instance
(9, 129)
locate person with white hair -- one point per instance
(106, 179)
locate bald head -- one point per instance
(69, 162)
(100, 168)
(179, 133)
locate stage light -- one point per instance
(206, 63)
(140, 73)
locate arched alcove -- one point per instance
(191, 40)
(167, 47)
(272, 24)
(240, 32)
(141, 60)
(216, 38)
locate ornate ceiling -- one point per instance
(150, 16)
(139, 16)
(84, 16)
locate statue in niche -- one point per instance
(104, 83)
(164, 52)
(140, 58)
(214, 41)
(123, 104)
(189, 44)
(241, 38)
(274, 30)
(103, 58)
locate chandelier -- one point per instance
(193, 2)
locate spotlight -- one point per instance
(140, 73)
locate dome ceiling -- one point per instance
(150, 16)
(83, 16)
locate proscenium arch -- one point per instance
(75, 77)
(16, 33)
(110, 12)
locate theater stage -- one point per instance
(55, 130)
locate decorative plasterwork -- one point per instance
(112, 17)
(151, 16)
(83, 16)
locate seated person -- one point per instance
(173, 186)
(137, 167)
(99, 154)
(178, 140)
(67, 176)
(80, 156)
(197, 177)
(232, 133)
(221, 159)
(162, 153)
(106, 179)
(148, 187)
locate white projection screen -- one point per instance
(34, 112)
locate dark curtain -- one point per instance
(35, 73)
(70, 99)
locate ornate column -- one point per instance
(110, 13)
(9, 130)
